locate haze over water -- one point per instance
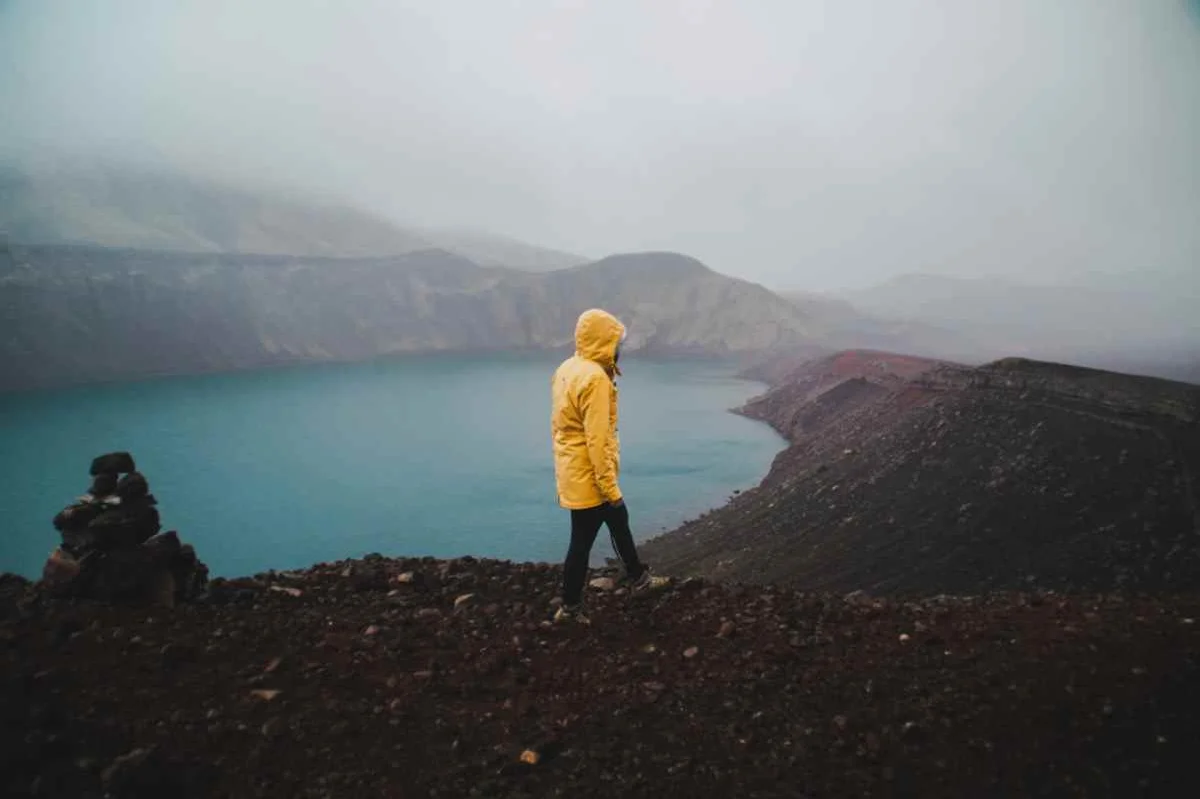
(438, 456)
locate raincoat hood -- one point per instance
(597, 336)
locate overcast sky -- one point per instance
(795, 142)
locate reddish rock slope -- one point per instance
(915, 477)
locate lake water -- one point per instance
(440, 456)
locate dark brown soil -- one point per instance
(911, 477)
(385, 689)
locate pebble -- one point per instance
(691, 651)
(727, 629)
(904, 638)
(463, 599)
(603, 584)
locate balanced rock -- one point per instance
(111, 546)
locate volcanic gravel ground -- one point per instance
(386, 688)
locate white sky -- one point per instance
(794, 142)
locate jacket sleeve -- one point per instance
(595, 404)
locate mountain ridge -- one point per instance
(76, 314)
(1015, 474)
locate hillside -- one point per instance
(80, 314)
(917, 477)
(119, 206)
(351, 680)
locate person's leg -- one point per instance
(617, 520)
(584, 526)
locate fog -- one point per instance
(804, 144)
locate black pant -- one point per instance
(584, 526)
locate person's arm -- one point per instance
(595, 404)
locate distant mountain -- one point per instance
(120, 206)
(918, 477)
(848, 327)
(491, 249)
(1102, 322)
(73, 314)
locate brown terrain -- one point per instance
(954, 583)
(351, 680)
(915, 477)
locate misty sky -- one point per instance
(798, 143)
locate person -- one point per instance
(587, 457)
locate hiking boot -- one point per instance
(568, 614)
(650, 582)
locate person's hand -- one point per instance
(620, 503)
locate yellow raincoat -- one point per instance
(583, 417)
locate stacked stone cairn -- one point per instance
(112, 549)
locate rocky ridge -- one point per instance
(918, 477)
(380, 677)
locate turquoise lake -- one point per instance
(440, 456)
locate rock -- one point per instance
(603, 583)
(530, 757)
(727, 629)
(77, 516)
(60, 569)
(162, 590)
(371, 630)
(132, 486)
(112, 463)
(691, 652)
(287, 589)
(463, 600)
(103, 485)
(404, 578)
(125, 526)
(272, 665)
(904, 638)
(131, 771)
(266, 694)
(429, 613)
